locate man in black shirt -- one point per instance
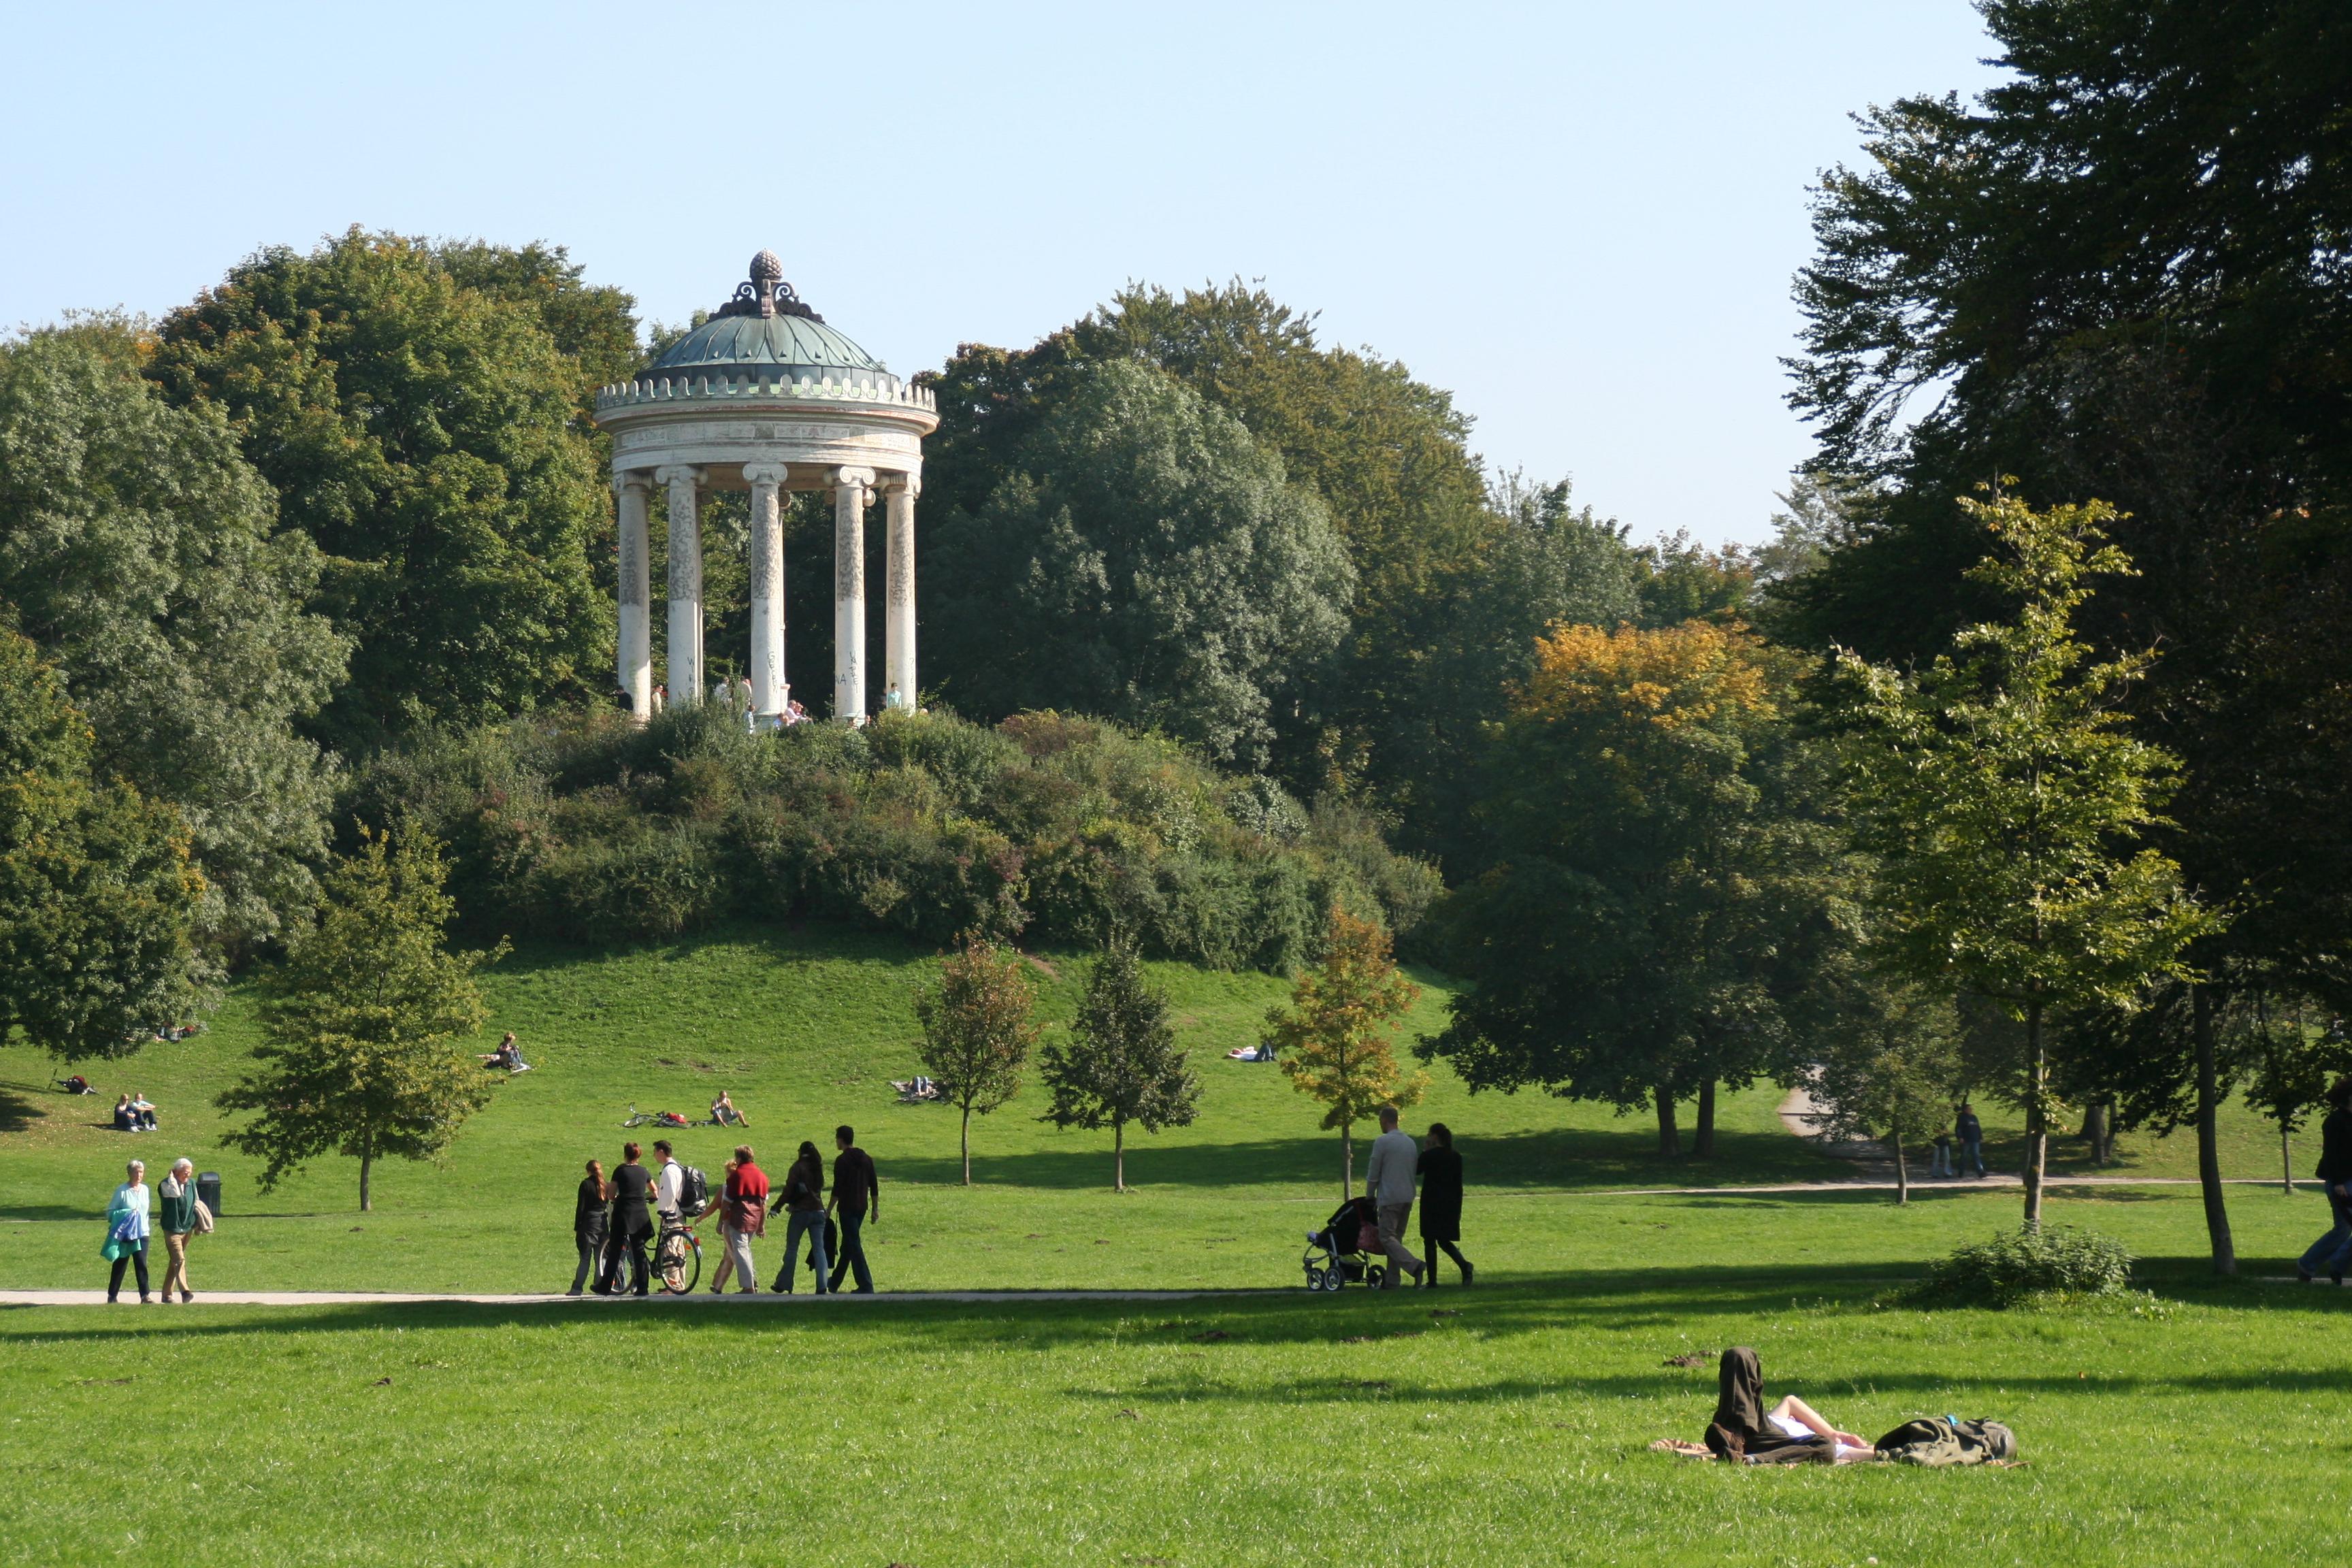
(2332, 1251)
(856, 1196)
(1970, 1133)
(632, 1226)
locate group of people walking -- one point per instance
(131, 1222)
(617, 1218)
(1397, 1164)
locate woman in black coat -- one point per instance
(1441, 1203)
(588, 1224)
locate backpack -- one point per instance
(1936, 1441)
(693, 1192)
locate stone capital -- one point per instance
(678, 474)
(633, 480)
(909, 485)
(862, 478)
(775, 474)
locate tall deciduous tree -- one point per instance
(1121, 1064)
(1655, 876)
(142, 553)
(427, 437)
(2120, 273)
(1144, 560)
(2005, 797)
(1332, 1041)
(99, 892)
(362, 1022)
(979, 1024)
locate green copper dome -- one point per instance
(764, 332)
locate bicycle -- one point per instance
(680, 1249)
(669, 1119)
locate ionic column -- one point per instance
(851, 490)
(769, 692)
(898, 587)
(631, 492)
(683, 672)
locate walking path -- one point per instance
(388, 1298)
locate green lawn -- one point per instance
(1272, 1429)
(1501, 1425)
(805, 1029)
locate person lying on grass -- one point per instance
(1743, 1430)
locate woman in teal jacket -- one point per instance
(127, 1230)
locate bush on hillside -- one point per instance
(1062, 829)
(2022, 1266)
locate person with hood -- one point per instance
(1743, 1430)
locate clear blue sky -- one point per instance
(1582, 219)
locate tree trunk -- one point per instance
(2209, 1148)
(367, 1165)
(967, 1146)
(2037, 1118)
(1670, 1136)
(1118, 1156)
(1901, 1173)
(1703, 1137)
(2286, 1160)
(1347, 1160)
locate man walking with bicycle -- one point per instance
(669, 1199)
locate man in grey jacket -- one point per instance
(1388, 1181)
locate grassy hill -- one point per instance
(805, 1028)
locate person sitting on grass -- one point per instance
(1743, 1431)
(508, 1057)
(143, 1112)
(724, 1114)
(123, 1121)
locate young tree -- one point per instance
(1332, 1041)
(1890, 1065)
(360, 1022)
(2293, 1064)
(2002, 794)
(1121, 1064)
(99, 892)
(978, 1028)
(1655, 875)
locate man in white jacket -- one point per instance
(1388, 1181)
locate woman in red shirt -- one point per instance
(742, 1215)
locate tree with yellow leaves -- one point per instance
(1332, 1041)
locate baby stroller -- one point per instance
(1337, 1255)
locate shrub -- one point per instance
(588, 827)
(2015, 1266)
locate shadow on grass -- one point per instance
(1567, 1158)
(1665, 1299)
